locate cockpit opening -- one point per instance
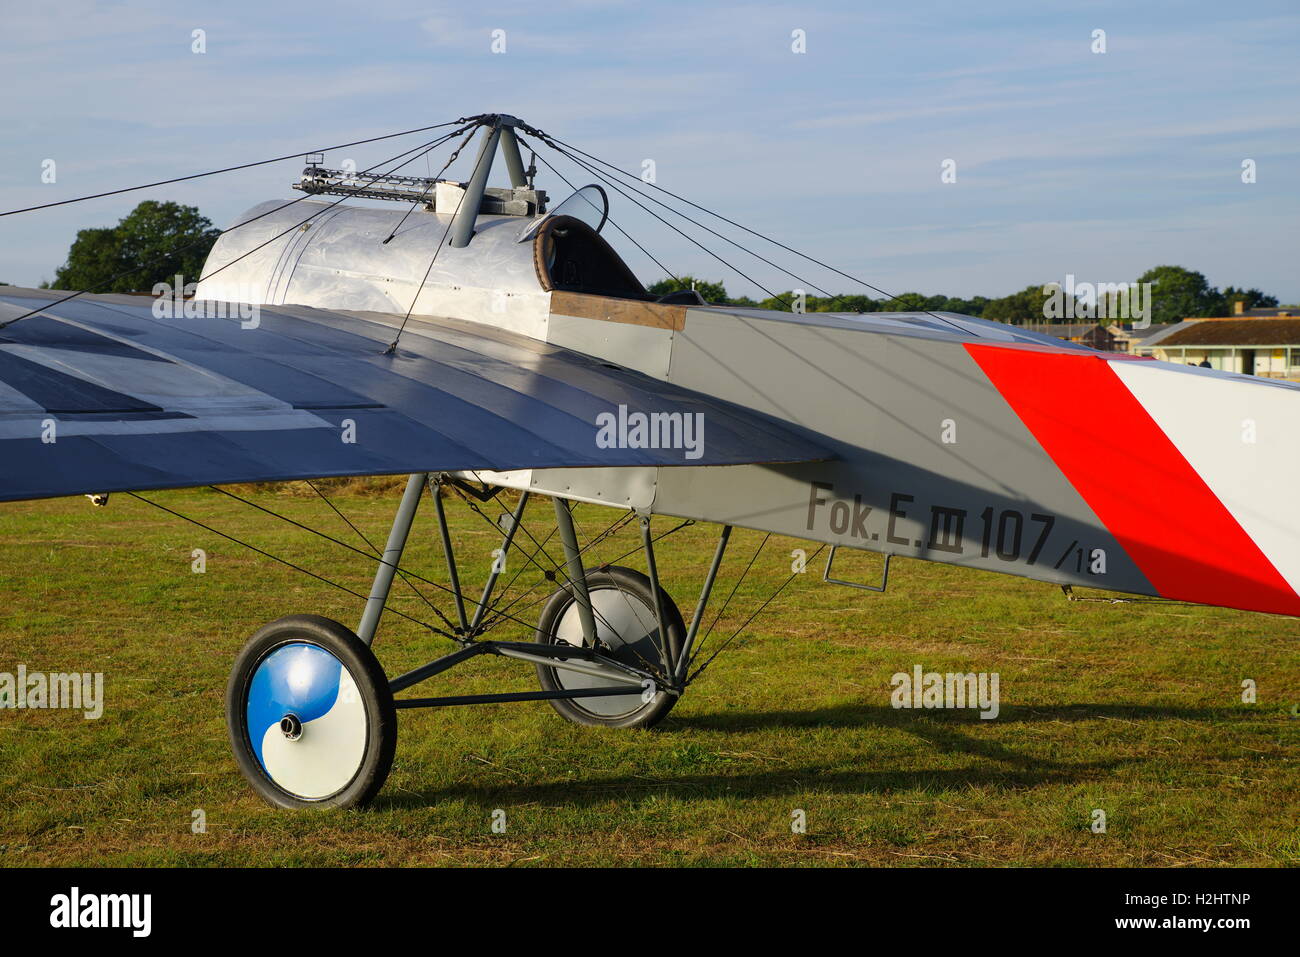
(571, 256)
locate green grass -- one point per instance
(1134, 709)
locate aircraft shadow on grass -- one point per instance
(1003, 767)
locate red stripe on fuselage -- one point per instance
(1133, 477)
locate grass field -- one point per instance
(1134, 709)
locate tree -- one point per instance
(849, 303)
(94, 259)
(906, 302)
(1252, 298)
(710, 291)
(1021, 308)
(153, 243)
(784, 302)
(1178, 293)
(966, 307)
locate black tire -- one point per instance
(334, 749)
(624, 592)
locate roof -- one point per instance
(1158, 334)
(1134, 334)
(1236, 332)
(1272, 312)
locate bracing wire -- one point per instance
(352, 548)
(371, 545)
(615, 186)
(277, 558)
(807, 282)
(231, 169)
(610, 530)
(423, 150)
(433, 181)
(392, 346)
(746, 623)
(612, 561)
(557, 568)
(732, 594)
(625, 233)
(557, 145)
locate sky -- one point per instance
(1067, 161)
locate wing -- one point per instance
(98, 394)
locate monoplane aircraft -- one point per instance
(495, 349)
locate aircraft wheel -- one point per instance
(310, 714)
(626, 629)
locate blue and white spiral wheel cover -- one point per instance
(311, 684)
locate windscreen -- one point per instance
(589, 204)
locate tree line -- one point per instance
(1176, 294)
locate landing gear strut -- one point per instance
(312, 716)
